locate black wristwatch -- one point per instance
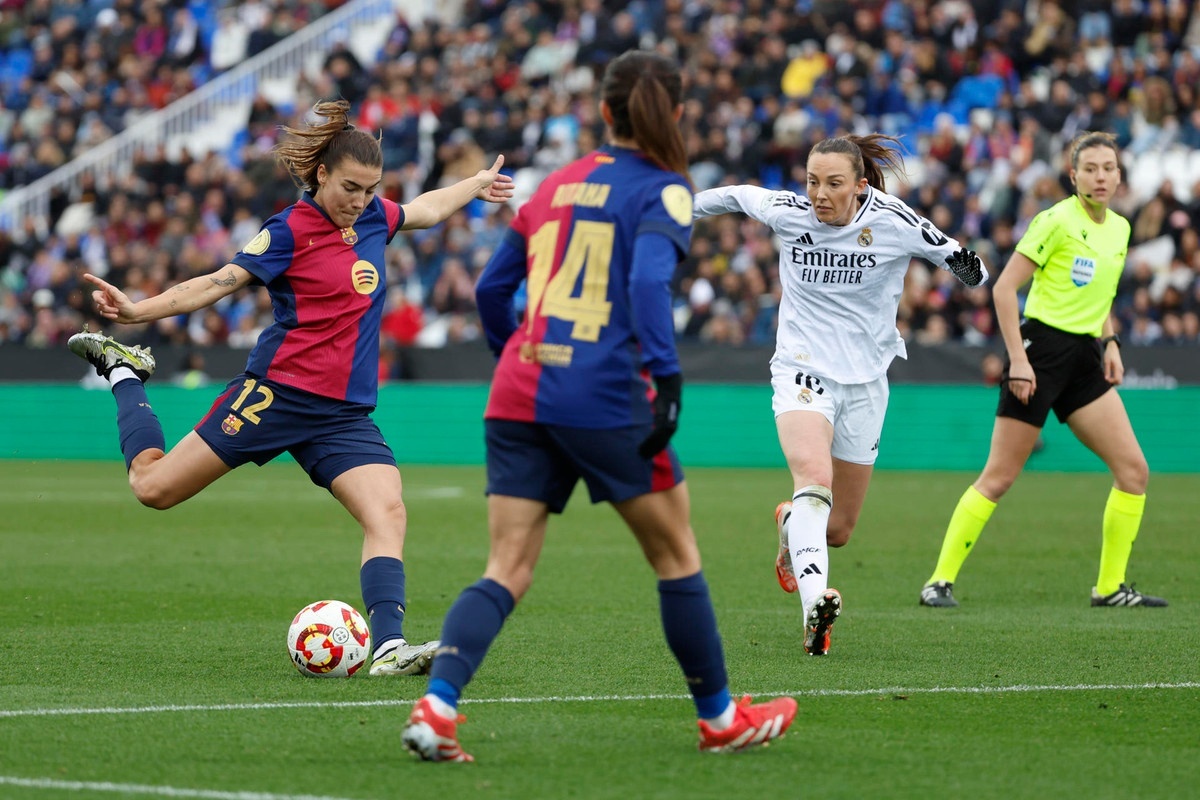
(1114, 338)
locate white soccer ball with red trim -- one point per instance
(329, 639)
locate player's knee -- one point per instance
(1132, 477)
(151, 493)
(397, 513)
(993, 486)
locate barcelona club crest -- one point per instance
(864, 238)
(349, 235)
(231, 425)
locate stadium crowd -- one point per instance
(984, 94)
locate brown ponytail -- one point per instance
(642, 90)
(329, 143)
(868, 155)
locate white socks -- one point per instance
(725, 720)
(119, 374)
(441, 707)
(806, 537)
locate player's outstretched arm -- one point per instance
(429, 209)
(753, 201)
(183, 298)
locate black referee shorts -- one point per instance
(1069, 369)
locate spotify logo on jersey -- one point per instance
(365, 277)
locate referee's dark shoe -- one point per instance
(1127, 596)
(939, 594)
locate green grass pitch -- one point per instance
(144, 651)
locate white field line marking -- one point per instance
(158, 791)
(886, 690)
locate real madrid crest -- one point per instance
(805, 396)
(350, 236)
(864, 238)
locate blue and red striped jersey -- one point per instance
(597, 319)
(328, 287)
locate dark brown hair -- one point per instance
(1091, 139)
(330, 143)
(642, 90)
(869, 155)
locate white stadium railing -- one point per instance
(220, 106)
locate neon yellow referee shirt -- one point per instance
(1079, 264)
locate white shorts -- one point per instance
(855, 410)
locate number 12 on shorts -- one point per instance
(250, 412)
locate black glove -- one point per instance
(668, 399)
(966, 266)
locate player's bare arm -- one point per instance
(1110, 347)
(1017, 273)
(193, 294)
(429, 209)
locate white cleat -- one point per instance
(398, 657)
(106, 354)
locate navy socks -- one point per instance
(137, 424)
(469, 629)
(382, 582)
(690, 626)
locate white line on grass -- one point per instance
(158, 791)
(886, 690)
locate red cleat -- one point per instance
(783, 561)
(432, 736)
(753, 724)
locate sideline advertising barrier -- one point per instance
(944, 427)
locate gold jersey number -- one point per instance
(250, 412)
(589, 253)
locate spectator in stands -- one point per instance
(926, 50)
(229, 41)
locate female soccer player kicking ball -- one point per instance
(311, 382)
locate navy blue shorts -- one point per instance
(544, 462)
(256, 420)
(1070, 374)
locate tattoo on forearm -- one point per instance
(231, 280)
(178, 289)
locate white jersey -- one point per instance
(841, 284)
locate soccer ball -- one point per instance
(328, 639)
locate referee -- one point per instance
(1065, 357)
